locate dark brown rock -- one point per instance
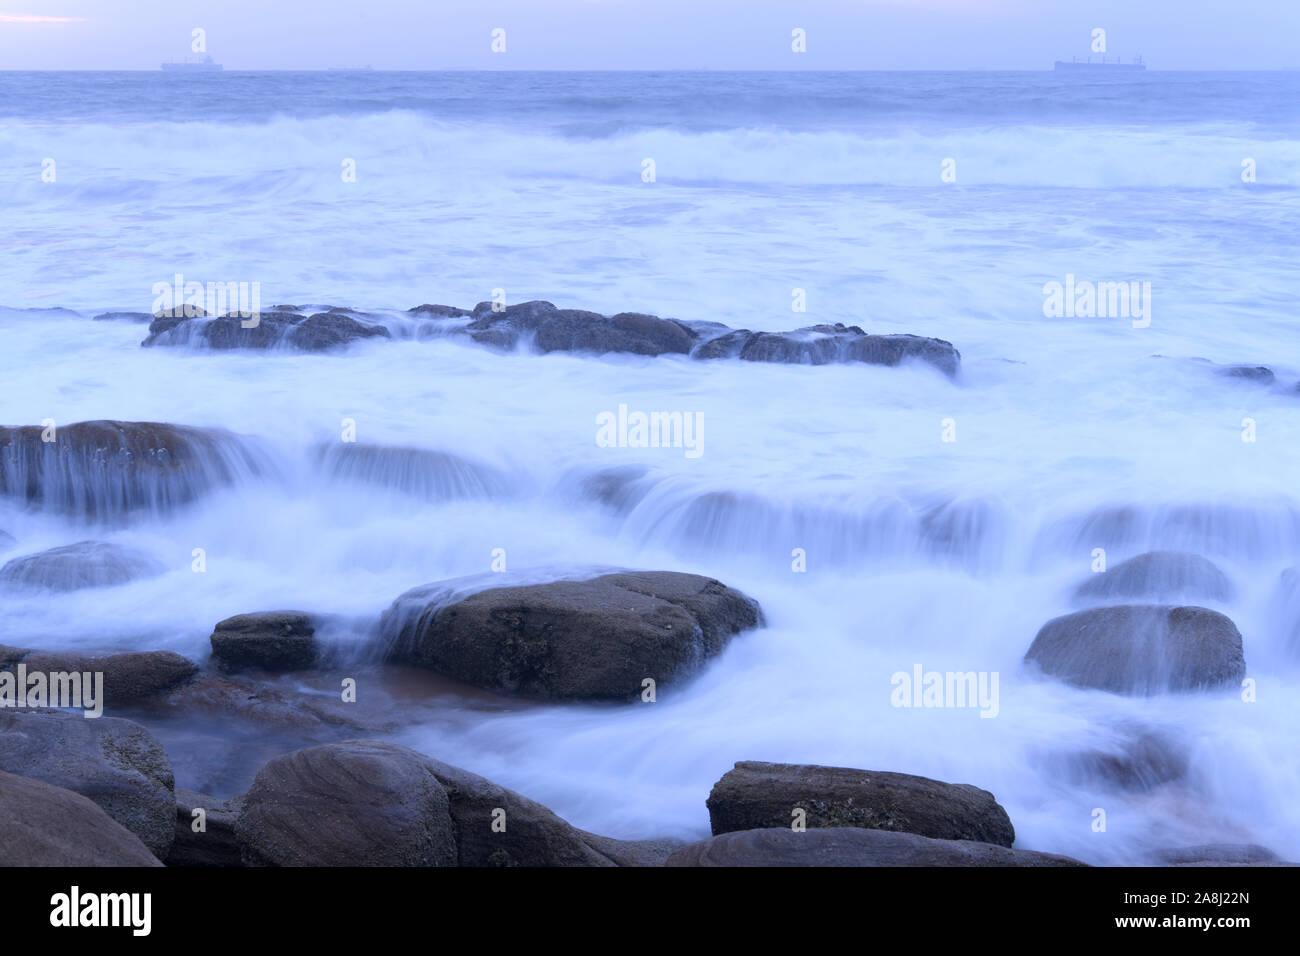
(269, 640)
(44, 825)
(755, 796)
(215, 843)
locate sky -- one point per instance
(647, 34)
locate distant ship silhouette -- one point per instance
(202, 66)
(1102, 64)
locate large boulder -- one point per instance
(356, 803)
(1141, 649)
(45, 825)
(852, 846)
(115, 763)
(824, 344)
(129, 678)
(105, 469)
(498, 827)
(1158, 576)
(755, 795)
(597, 639)
(207, 838)
(269, 640)
(223, 332)
(86, 564)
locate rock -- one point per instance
(270, 640)
(439, 311)
(210, 696)
(1218, 853)
(504, 329)
(140, 317)
(1285, 609)
(7, 541)
(431, 475)
(1141, 649)
(356, 803)
(573, 330)
(86, 564)
(44, 825)
(1260, 374)
(756, 796)
(115, 763)
(1142, 761)
(851, 846)
(230, 331)
(823, 344)
(129, 678)
(571, 640)
(216, 845)
(106, 469)
(533, 835)
(328, 330)
(1159, 576)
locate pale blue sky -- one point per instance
(647, 34)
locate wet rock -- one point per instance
(330, 330)
(427, 474)
(255, 704)
(852, 846)
(129, 678)
(269, 640)
(1218, 853)
(439, 311)
(573, 330)
(1260, 374)
(7, 541)
(755, 795)
(215, 843)
(105, 469)
(1141, 649)
(533, 835)
(597, 639)
(1286, 610)
(1141, 761)
(45, 825)
(824, 344)
(140, 317)
(356, 803)
(1159, 576)
(264, 330)
(86, 564)
(115, 763)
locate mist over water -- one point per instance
(1071, 433)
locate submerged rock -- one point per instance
(86, 564)
(331, 330)
(431, 475)
(1141, 649)
(45, 825)
(597, 639)
(1218, 853)
(116, 763)
(105, 469)
(755, 796)
(270, 640)
(852, 846)
(1159, 576)
(1142, 760)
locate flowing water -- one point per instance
(1072, 433)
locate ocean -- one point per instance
(942, 522)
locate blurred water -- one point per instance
(1072, 433)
